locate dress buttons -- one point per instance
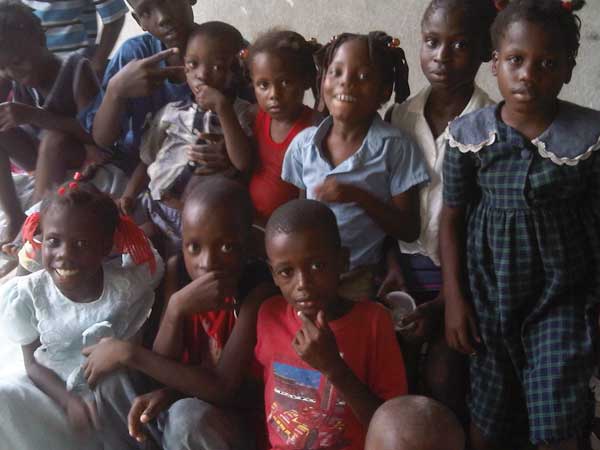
(525, 154)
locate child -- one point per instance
(328, 363)
(455, 41)
(282, 68)
(204, 283)
(366, 170)
(414, 423)
(78, 299)
(47, 94)
(211, 61)
(527, 174)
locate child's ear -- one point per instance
(495, 63)
(570, 72)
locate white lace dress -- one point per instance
(32, 307)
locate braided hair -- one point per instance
(18, 23)
(478, 14)
(85, 196)
(555, 15)
(384, 53)
(291, 47)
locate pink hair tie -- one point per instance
(61, 191)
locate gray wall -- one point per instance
(401, 18)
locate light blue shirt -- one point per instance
(387, 163)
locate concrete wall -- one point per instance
(401, 18)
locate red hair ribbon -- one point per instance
(243, 53)
(501, 4)
(29, 229)
(567, 4)
(129, 238)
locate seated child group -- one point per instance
(208, 262)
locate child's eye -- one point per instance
(191, 64)
(515, 60)
(216, 67)
(317, 265)
(81, 243)
(430, 42)
(460, 45)
(52, 242)
(285, 273)
(548, 64)
(227, 248)
(363, 76)
(285, 83)
(192, 248)
(263, 85)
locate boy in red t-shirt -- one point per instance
(327, 363)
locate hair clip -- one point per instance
(77, 176)
(61, 191)
(73, 185)
(243, 53)
(567, 4)
(394, 43)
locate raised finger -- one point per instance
(160, 56)
(308, 325)
(134, 420)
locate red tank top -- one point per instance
(267, 189)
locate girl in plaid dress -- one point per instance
(521, 187)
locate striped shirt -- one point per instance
(71, 25)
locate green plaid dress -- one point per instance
(533, 260)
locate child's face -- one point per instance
(73, 248)
(306, 269)
(213, 240)
(450, 57)
(279, 91)
(25, 67)
(531, 65)
(352, 89)
(169, 21)
(208, 62)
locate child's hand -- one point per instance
(206, 293)
(422, 321)
(14, 114)
(315, 344)
(141, 77)
(126, 205)
(331, 191)
(209, 98)
(393, 281)
(461, 326)
(211, 157)
(145, 408)
(82, 415)
(103, 358)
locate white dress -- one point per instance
(32, 307)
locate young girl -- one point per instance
(521, 193)
(211, 60)
(366, 170)
(455, 42)
(80, 298)
(282, 68)
(47, 94)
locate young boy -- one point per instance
(203, 286)
(328, 363)
(38, 125)
(414, 423)
(144, 75)
(211, 59)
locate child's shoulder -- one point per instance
(475, 130)
(273, 308)
(375, 312)
(573, 135)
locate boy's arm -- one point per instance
(399, 218)
(315, 344)
(138, 78)
(237, 143)
(213, 385)
(81, 415)
(136, 184)
(108, 38)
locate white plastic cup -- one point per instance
(402, 305)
